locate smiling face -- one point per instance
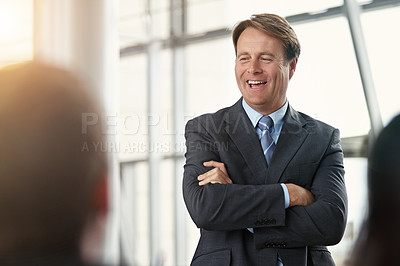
(262, 72)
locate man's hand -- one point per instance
(299, 196)
(216, 175)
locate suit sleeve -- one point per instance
(324, 221)
(225, 206)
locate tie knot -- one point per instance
(265, 123)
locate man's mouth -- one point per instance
(256, 83)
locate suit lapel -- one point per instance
(241, 131)
(243, 134)
(290, 140)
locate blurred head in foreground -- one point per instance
(378, 240)
(51, 189)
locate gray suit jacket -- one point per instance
(308, 154)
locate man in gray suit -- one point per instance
(263, 182)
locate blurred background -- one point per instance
(155, 64)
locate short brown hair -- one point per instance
(273, 25)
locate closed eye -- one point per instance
(244, 58)
(266, 59)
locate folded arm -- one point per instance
(214, 203)
(324, 221)
(298, 196)
(217, 206)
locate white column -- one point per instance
(82, 35)
(178, 29)
(52, 34)
(155, 158)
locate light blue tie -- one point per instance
(266, 124)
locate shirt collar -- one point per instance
(254, 116)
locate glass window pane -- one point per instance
(327, 84)
(164, 119)
(211, 82)
(382, 38)
(134, 18)
(356, 185)
(132, 117)
(135, 214)
(167, 208)
(221, 13)
(203, 16)
(132, 30)
(238, 10)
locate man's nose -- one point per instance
(254, 67)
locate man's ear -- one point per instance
(292, 67)
(100, 196)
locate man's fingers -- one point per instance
(203, 182)
(207, 174)
(212, 164)
(309, 198)
(299, 196)
(210, 179)
(214, 176)
(215, 181)
(220, 166)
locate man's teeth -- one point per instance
(251, 82)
